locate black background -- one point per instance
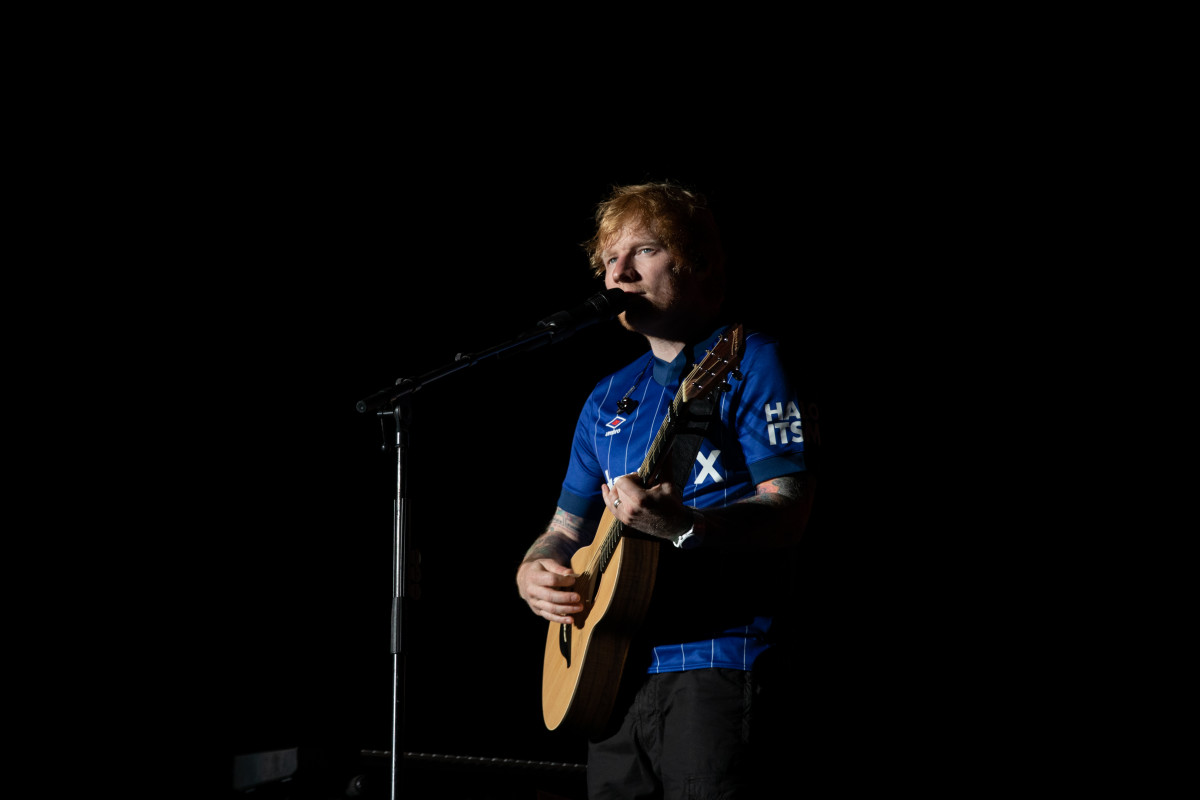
(323, 266)
(246, 233)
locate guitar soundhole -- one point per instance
(564, 641)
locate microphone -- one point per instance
(598, 308)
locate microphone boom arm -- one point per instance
(555, 328)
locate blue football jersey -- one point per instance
(757, 436)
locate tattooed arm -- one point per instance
(773, 517)
(544, 578)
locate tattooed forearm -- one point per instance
(563, 536)
(548, 545)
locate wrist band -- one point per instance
(693, 536)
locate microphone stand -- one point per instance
(396, 401)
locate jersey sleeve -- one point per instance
(580, 493)
(768, 414)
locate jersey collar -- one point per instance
(670, 373)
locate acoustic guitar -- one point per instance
(584, 661)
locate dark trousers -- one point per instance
(683, 735)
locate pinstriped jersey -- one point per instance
(757, 436)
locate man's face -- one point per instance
(639, 264)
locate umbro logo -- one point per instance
(615, 424)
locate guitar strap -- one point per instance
(693, 422)
(677, 572)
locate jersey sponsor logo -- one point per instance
(783, 425)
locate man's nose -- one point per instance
(623, 270)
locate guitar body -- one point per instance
(584, 661)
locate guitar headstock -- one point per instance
(720, 362)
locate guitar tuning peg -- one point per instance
(737, 374)
(725, 387)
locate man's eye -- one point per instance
(646, 250)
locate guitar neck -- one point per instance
(651, 465)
